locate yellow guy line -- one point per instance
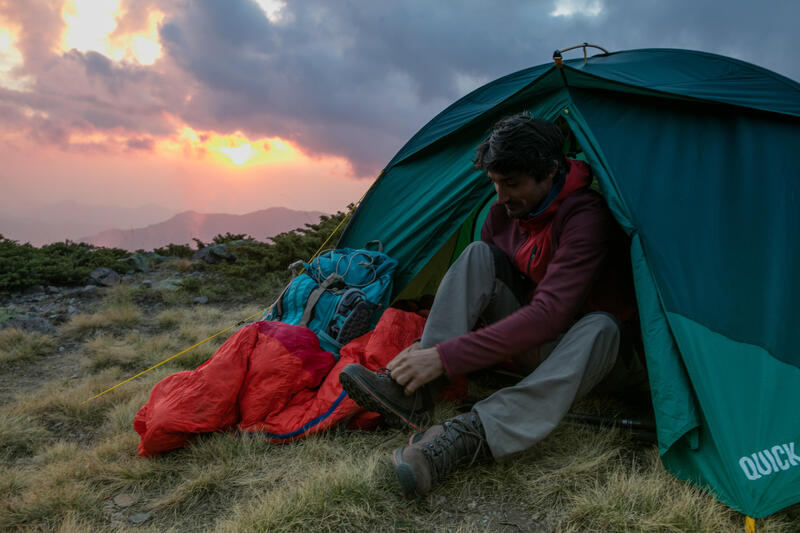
(168, 359)
(321, 246)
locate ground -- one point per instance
(69, 464)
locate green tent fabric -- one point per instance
(697, 155)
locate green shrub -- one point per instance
(261, 268)
(61, 263)
(175, 250)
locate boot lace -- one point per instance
(461, 442)
(418, 405)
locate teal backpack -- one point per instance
(340, 295)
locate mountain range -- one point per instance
(133, 228)
(72, 220)
(183, 227)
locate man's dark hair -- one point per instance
(522, 144)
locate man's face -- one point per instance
(520, 193)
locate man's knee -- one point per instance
(604, 325)
(488, 256)
(478, 252)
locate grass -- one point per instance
(17, 345)
(64, 460)
(117, 312)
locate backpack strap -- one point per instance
(315, 295)
(277, 306)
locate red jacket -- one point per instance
(577, 256)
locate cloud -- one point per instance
(352, 79)
(569, 8)
(141, 143)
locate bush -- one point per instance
(261, 268)
(61, 263)
(175, 250)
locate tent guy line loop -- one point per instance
(240, 323)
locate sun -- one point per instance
(239, 155)
(230, 149)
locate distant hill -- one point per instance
(72, 220)
(181, 228)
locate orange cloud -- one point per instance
(89, 25)
(233, 149)
(11, 59)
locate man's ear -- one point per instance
(553, 170)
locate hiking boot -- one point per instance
(439, 451)
(378, 392)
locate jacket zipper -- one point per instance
(530, 259)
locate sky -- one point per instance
(238, 105)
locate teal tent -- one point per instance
(698, 156)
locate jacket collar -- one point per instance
(577, 176)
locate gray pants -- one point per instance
(483, 284)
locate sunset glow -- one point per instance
(231, 149)
(239, 155)
(90, 25)
(10, 60)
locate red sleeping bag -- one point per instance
(269, 378)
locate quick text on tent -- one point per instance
(769, 461)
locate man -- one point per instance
(550, 257)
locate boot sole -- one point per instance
(360, 393)
(405, 474)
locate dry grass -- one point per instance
(19, 437)
(118, 315)
(63, 461)
(180, 264)
(17, 345)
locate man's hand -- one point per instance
(414, 367)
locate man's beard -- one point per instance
(511, 213)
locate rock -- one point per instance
(216, 253)
(140, 518)
(144, 262)
(105, 276)
(42, 325)
(53, 290)
(168, 285)
(125, 500)
(201, 300)
(146, 284)
(34, 289)
(6, 314)
(87, 289)
(71, 309)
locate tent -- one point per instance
(698, 156)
